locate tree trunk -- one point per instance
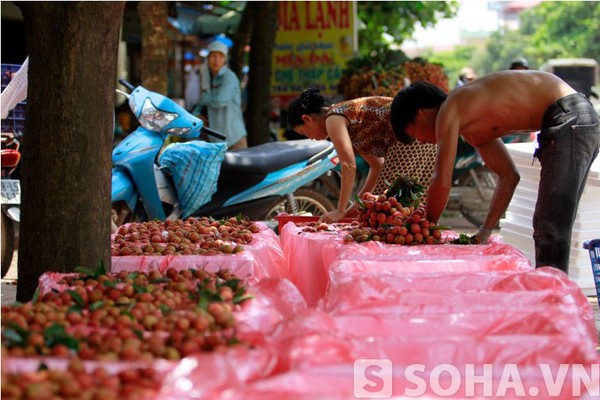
(241, 40)
(155, 45)
(259, 79)
(66, 164)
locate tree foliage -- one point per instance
(552, 29)
(563, 29)
(396, 20)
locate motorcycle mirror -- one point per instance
(126, 84)
(213, 133)
(122, 92)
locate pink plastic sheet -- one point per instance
(494, 247)
(310, 347)
(521, 337)
(338, 382)
(243, 264)
(392, 323)
(546, 288)
(206, 376)
(266, 248)
(274, 301)
(309, 256)
(428, 263)
(30, 364)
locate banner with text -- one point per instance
(313, 44)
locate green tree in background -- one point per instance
(552, 29)
(502, 48)
(453, 61)
(563, 29)
(392, 22)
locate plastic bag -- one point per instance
(195, 167)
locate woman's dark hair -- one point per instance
(410, 99)
(309, 102)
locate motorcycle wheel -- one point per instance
(488, 180)
(308, 200)
(8, 243)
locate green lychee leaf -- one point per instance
(133, 275)
(12, 337)
(128, 313)
(359, 201)
(100, 269)
(96, 305)
(75, 308)
(232, 283)
(85, 271)
(164, 309)
(76, 297)
(160, 280)
(108, 283)
(36, 295)
(240, 299)
(56, 334)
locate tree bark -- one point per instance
(66, 164)
(259, 79)
(155, 44)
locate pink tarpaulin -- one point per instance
(348, 381)
(309, 347)
(309, 256)
(274, 301)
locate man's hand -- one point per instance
(482, 235)
(332, 216)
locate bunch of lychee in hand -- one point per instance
(385, 219)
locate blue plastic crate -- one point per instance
(593, 246)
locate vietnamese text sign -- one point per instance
(314, 41)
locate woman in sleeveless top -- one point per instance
(360, 126)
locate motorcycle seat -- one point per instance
(274, 156)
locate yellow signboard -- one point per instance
(314, 41)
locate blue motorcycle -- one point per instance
(258, 182)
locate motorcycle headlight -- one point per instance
(178, 131)
(154, 119)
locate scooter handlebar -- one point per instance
(212, 133)
(126, 84)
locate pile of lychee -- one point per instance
(192, 236)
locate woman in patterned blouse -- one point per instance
(360, 126)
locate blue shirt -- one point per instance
(223, 103)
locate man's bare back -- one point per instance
(501, 103)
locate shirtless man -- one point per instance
(496, 105)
